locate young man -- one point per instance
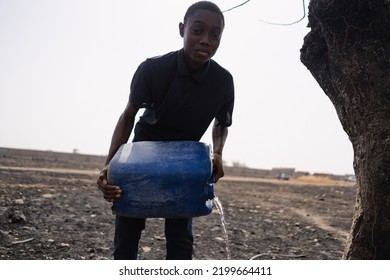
(182, 93)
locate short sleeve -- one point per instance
(225, 115)
(140, 88)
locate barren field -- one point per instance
(50, 208)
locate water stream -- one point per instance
(217, 203)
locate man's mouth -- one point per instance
(203, 53)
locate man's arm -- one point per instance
(219, 134)
(120, 136)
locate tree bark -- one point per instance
(348, 52)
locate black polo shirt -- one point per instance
(180, 105)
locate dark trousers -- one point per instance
(178, 234)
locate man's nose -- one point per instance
(205, 39)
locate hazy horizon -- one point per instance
(67, 66)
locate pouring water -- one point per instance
(218, 205)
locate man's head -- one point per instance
(201, 31)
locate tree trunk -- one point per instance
(348, 53)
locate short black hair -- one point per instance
(204, 5)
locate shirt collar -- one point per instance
(198, 76)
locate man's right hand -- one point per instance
(110, 192)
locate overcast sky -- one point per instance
(66, 68)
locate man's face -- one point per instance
(202, 34)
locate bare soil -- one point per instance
(50, 208)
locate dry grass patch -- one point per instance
(321, 180)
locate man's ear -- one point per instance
(181, 29)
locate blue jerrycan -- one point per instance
(166, 179)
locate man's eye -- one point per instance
(216, 36)
(196, 31)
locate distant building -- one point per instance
(276, 171)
